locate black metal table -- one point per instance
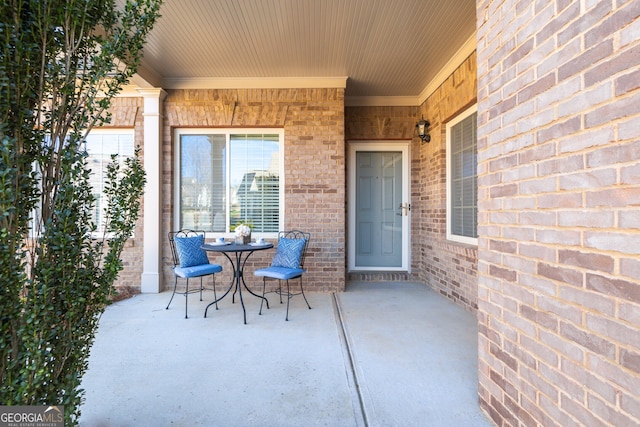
(242, 253)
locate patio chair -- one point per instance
(287, 264)
(189, 261)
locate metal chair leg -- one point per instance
(290, 295)
(175, 286)
(303, 295)
(264, 285)
(215, 296)
(288, 299)
(186, 300)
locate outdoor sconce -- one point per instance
(423, 130)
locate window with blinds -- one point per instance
(100, 146)
(462, 178)
(229, 177)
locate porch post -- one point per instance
(151, 279)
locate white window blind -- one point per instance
(255, 183)
(462, 178)
(100, 146)
(229, 177)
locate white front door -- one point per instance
(379, 206)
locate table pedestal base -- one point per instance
(238, 279)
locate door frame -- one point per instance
(404, 147)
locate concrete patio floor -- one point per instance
(379, 354)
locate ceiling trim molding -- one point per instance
(454, 62)
(129, 91)
(255, 83)
(145, 78)
(381, 101)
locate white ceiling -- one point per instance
(382, 51)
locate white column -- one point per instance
(151, 279)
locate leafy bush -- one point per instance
(61, 63)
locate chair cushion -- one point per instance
(282, 273)
(197, 270)
(288, 253)
(190, 251)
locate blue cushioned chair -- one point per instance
(287, 264)
(189, 261)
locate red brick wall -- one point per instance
(447, 267)
(381, 123)
(314, 156)
(384, 123)
(559, 212)
(127, 114)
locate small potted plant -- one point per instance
(243, 234)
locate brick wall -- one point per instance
(559, 212)
(382, 123)
(314, 156)
(448, 267)
(127, 113)
(390, 124)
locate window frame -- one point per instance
(227, 132)
(100, 231)
(449, 126)
(108, 131)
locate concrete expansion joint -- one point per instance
(355, 380)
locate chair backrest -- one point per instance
(172, 242)
(297, 234)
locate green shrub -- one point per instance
(61, 63)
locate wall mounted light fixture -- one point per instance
(423, 130)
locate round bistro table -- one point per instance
(237, 259)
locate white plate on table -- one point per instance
(219, 243)
(258, 244)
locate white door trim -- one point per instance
(353, 148)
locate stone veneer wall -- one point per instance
(559, 199)
(447, 267)
(314, 156)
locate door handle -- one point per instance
(405, 207)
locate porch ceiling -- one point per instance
(384, 49)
